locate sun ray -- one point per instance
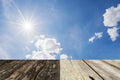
(25, 24)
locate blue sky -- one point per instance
(54, 29)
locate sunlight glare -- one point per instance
(27, 26)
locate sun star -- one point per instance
(27, 26)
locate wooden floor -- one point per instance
(29, 70)
(89, 70)
(60, 70)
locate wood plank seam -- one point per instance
(93, 70)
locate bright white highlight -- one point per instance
(23, 23)
(27, 27)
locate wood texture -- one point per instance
(29, 70)
(60, 70)
(90, 70)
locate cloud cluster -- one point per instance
(111, 19)
(47, 48)
(96, 36)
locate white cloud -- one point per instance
(111, 19)
(49, 45)
(96, 36)
(99, 34)
(112, 16)
(113, 33)
(41, 55)
(65, 57)
(28, 56)
(92, 39)
(47, 48)
(3, 54)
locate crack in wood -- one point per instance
(94, 70)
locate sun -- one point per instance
(27, 26)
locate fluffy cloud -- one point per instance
(3, 54)
(49, 45)
(111, 19)
(96, 36)
(112, 16)
(113, 33)
(41, 55)
(47, 48)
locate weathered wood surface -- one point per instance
(30, 70)
(63, 70)
(90, 70)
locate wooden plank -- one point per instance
(9, 69)
(50, 71)
(30, 70)
(90, 71)
(114, 63)
(6, 64)
(19, 73)
(71, 70)
(107, 71)
(60, 70)
(2, 62)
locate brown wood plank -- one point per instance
(50, 71)
(9, 69)
(30, 70)
(21, 71)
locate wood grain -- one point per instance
(90, 70)
(30, 70)
(60, 70)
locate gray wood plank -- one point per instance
(107, 71)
